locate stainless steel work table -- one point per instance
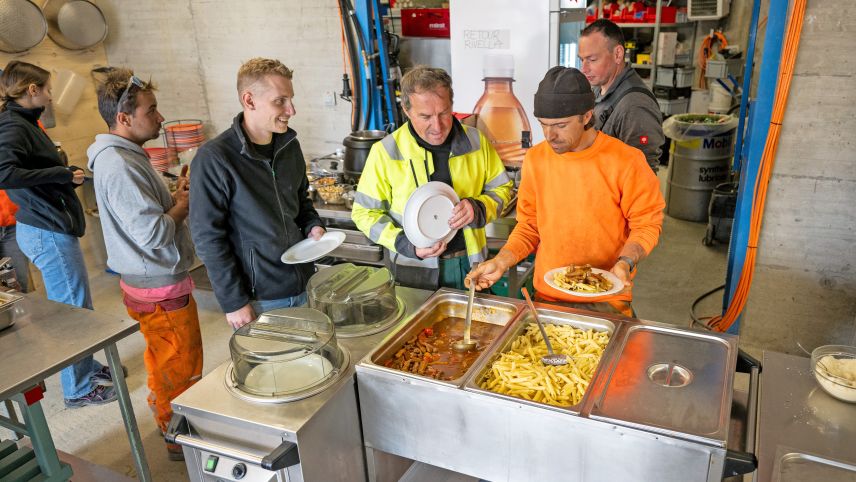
(46, 337)
(803, 433)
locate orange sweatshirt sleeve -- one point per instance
(642, 203)
(524, 239)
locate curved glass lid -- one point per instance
(346, 282)
(282, 335)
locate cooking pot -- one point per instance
(357, 146)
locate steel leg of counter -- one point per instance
(13, 418)
(128, 417)
(40, 438)
(385, 467)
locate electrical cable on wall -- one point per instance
(706, 52)
(741, 293)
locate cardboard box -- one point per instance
(666, 47)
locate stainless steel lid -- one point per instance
(360, 300)
(284, 355)
(672, 381)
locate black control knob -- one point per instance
(239, 471)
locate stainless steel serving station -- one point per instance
(228, 438)
(45, 338)
(804, 434)
(659, 406)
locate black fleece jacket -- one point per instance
(245, 211)
(34, 176)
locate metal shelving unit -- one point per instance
(654, 44)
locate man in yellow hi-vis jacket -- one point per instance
(431, 146)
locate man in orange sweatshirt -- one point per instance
(584, 198)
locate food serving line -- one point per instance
(657, 408)
(367, 383)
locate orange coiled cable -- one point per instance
(768, 159)
(706, 52)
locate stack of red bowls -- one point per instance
(159, 157)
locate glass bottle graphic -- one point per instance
(501, 118)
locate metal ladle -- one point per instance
(467, 344)
(551, 358)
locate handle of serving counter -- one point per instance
(285, 455)
(736, 462)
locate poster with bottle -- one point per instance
(500, 115)
(490, 34)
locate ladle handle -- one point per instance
(537, 320)
(468, 323)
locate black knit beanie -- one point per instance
(564, 92)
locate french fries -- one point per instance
(520, 373)
(582, 279)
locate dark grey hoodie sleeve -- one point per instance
(640, 124)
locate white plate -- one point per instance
(427, 214)
(309, 250)
(617, 284)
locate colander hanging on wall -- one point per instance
(22, 25)
(75, 24)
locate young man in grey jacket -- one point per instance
(148, 242)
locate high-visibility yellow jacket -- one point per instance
(388, 180)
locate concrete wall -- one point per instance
(193, 48)
(805, 282)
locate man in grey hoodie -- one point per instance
(148, 242)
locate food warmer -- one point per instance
(658, 407)
(360, 300)
(284, 409)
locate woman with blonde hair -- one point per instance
(50, 218)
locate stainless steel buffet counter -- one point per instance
(657, 408)
(804, 434)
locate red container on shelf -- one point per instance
(425, 22)
(667, 14)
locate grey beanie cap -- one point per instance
(564, 92)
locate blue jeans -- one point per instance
(9, 247)
(59, 258)
(261, 306)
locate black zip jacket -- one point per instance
(34, 176)
(245, 211)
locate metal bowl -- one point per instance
(840, 387)
(22, 25)
(7, 309)
(75, 24)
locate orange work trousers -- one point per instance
(173, 354)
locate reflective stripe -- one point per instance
(391, 147)
(500, 180)
(463, 145)
(499, 203)
(431, 263)
(377, 228)
(398, 218)
(369, 202)
(475, 139)
(478, 257)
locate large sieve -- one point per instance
(22, 25)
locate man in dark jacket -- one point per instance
(624, 107)
(249, 200)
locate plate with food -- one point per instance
(584, 281)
